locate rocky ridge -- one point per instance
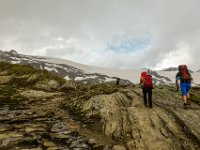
(123, 117)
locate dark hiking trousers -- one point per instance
(147, 92)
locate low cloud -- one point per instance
(120, 34)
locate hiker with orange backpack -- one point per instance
(185, 83)
(147, 86)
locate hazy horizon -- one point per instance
(139, 68)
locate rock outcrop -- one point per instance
(123, 117)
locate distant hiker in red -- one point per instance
(147, 86)
(185, 83)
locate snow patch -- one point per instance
(87, 77)
(15, 58)
(109, 79)
(79, 78)
(50, 69)
(15, 62)
(67, 78)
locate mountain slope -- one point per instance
(63, 68)
(91, 74)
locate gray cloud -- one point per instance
(80, 30)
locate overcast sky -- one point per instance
(108, 33)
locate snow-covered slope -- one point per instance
(90, 74)
(160, 77)
(64, 68)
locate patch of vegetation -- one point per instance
(7, 91)
(105, 88)
(9, 94)
(20, 70)
(195, 95)
(47, 75)
(170, 93)
(166, 93)
(87, 91)
(25, 75)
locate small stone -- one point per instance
(69, 141)
(164, 132)
(77, 149)
(82, 146)
(48, 143)
(36, 148)
(84, 125)
(58, 127)
(74, 144)
(106, 147)
(29, 113)
(53, 148)
(128, 135)
(118, 147)
(8, 141)
(98, 146)
(60, 136)
(92, 141)
(30, 129)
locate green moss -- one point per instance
(195, 94)
(22, 74)
(85, 92)
(18, 98)
(7, 90)
(47, 75)
(100, 89)
(5, 66)
(20, 70)
(9, 94)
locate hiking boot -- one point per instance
(188, 101)
(184, 105)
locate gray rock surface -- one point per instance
(123, 116)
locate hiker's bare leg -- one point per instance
(184, 99)
(188, 98)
